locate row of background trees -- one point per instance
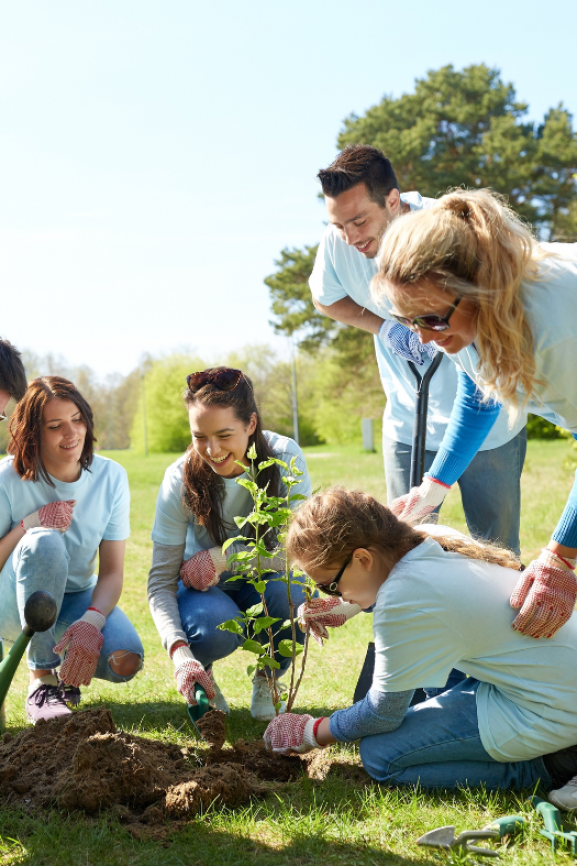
(458, 128)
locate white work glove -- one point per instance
(546, 593)
(55, 515)
(292, 733)
(420, 501)
(188, 671)
(204, 569)
(318, 613)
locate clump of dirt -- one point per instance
(212, 728)
(82, 762)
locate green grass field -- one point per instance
(307, 822)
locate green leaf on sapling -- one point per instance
(269, 662)
(251, 453)
(263, 622)
(231, 625)
(256, 609)
(250, 670)
(294, 497)
(249, 485)
(253, 646)
(285, 648)
(260, 586)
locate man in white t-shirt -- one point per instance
(362, 198)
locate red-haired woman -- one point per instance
(61, 507)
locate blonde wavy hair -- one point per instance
(331, 525)
(471, 244)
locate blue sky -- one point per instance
(157, 156)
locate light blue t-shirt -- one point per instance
(101, 513)
(340, 271)
(173, 523)
(438, 611)
(551, 306)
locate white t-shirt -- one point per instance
(551, 306)
(340, 271)
(173, 524)
(438, 611)
(102, 511)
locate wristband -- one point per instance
(566, 562)
(182, 653)
(176, 646)
(94, 617)
(316, 726)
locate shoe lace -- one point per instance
(47, 695)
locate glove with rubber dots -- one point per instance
(291, 732)
(82, 642)
(546, 593)
(319, 613)
(420, 501)
(55, 515)
(188, 672)
(204, 569)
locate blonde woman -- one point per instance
(469, 276)
(441, 602)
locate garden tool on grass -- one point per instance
(444, 837)
(422, 384)
(40, 613)
(553, 825)
(197, 711)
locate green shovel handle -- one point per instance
(202, 706)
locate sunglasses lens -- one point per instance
(432, 323)
(402, 320)
(224, 380)
(227, 379)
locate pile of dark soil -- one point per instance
(81, 762)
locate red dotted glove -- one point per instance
(204, 569)
(55, 515)
(82, 641)
(546, 594)
(188, 672)
(319, 613)
(291, 733)
(420, 501)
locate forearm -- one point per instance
(8, 544)
(350, 313)
(469, 425)
(162, 587)
(377, 713)
(107, 592)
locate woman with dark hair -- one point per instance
(197, 503)
(61, 507)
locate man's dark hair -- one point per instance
(360, 163)
(12, 373)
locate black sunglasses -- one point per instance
(224, 380)
(429, 322)
(332, 587)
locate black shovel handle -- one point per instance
(420, 424)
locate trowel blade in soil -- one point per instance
(441, 837)
(197, 711)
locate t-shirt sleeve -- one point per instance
(170, 520)
(324, 283)
(118, 527)
(414, 648)
(5, 513)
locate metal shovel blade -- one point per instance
(444, 837)
(441, 837)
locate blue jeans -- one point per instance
(40, 561)
(490, 486)
(438, 746)
(202, 612)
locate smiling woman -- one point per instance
(195, 514)
(60, 507)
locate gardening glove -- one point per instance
(188, 672)
(56, 515)
(420, 501)
(82, 641)
(204, 569)
(292, 733)
(546, 594)
(318, 613)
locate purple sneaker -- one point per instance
(46, 702)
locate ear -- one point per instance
(393, 202)
(364, 557)
(252, 424)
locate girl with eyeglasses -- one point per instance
(188, 588)
(61, 507)
(441, 602)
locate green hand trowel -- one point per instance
(197, 711)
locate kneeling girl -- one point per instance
(197, 503)
(441, 602)
(61, 506)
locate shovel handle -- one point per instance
(197, 711)
(551, 814)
